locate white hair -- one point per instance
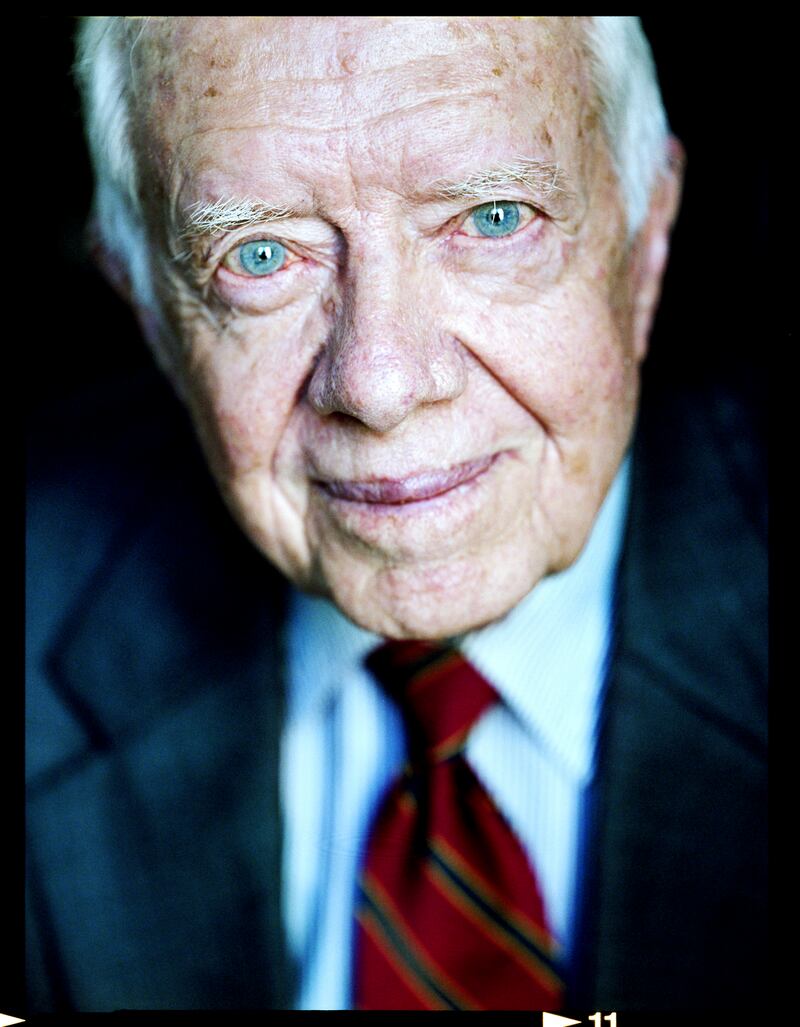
(621, 68)
(633, 117)
(102, 70)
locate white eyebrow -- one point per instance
(226, 214)
(544, 179)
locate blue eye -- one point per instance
(496, 219)
(262, 256)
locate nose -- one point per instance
(385, 356)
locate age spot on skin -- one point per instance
(347, 63)
(219, 60)
(588, 122)
(457, 30)
(578, 463)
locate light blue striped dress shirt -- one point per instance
(343, 746)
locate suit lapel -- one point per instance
(674, 863)
(173, 665)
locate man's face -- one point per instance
(413, 402)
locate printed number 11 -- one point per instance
(597, 1017)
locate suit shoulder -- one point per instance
(93, 461)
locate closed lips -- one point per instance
(411, 489)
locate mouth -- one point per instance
(413, 488)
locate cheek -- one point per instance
(244, 387)
(244, 434)
(562, 357)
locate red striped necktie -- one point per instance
(449, 913)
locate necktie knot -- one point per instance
(440, 693)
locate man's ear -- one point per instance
(651, 246)
(110, 264)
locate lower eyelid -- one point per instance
(230, 284)
(242, 276)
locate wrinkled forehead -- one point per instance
(199, 81)
(333, 46)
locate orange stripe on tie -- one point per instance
(537, 970)
(440, 977)
(523, 923)
(373, 928)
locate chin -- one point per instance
(434, 601)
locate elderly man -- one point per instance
(493, 736)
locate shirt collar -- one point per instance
(324, 648)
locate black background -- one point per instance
(711, 321)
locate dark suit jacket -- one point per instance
(155, 704)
